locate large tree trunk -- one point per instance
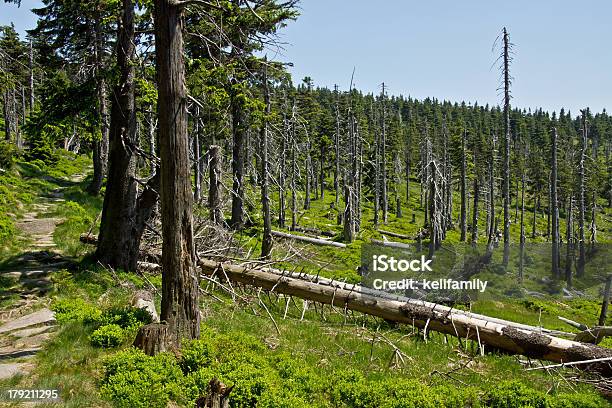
(119, 238)
(180, 288)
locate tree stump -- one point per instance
(217, 395)
(152, 338)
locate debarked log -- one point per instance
(424, 315)
(310, 240)
(394, 234)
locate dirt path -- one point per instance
(27, 322)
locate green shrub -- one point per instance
(69, 310)
(197, 354)
(134, 380)
(109, 335)
(515, 394)
(127, 317)
(7, 155)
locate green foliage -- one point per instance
(75, 310)
(353, 390)
(7, 155)
(108, 335)
(134, 380)
(127, 317)
(196, 354)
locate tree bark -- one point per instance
(214, 188)
(123, 214)
(197, 176)
(180, 287)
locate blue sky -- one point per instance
(442, 48)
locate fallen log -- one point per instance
(572, 323)
(594, 335)
(393, 244)
(310, 240)
(425, 315)
(394, 234)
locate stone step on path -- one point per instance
(21, 339)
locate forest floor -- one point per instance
(277, 352)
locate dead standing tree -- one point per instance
(506, 168)
(555, 206)
(266, 242)
(214, 188)
(463, 221)
(383, 157)
(581, 196)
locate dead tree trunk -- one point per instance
(197, 193)
(337, 148)
(569, 254)
(492, 215)
(522, 237)
(556, 273)
(463, 223)
(266, 242)
(506, 167)
(294, 171)
(376, 171)
(308, 170)
(215, 185)
(383, 158)
(581, 198)
(282, 175)
(31, 78)
(475, 210)
(238, 139)
(180, 288)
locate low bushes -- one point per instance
(110, 328)
(264, 378)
